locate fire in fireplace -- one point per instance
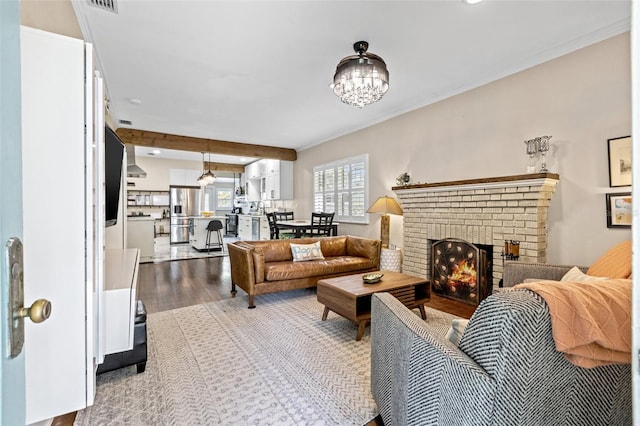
(461, 270)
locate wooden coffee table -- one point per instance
(349, 297)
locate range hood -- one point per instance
(133, 170)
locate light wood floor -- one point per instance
(176, 284)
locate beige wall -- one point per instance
(158, 172)
(582, 99)
(56, 16)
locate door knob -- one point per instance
(39, 311)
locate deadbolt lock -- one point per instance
(39, 311)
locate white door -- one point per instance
(12, 385)
(59, 362)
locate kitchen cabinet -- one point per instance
(265, 232)
(252, 227)
(140, 235)
(184, 177)
(269, 179)
(244, 227)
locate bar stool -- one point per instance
(214, 226)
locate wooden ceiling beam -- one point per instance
(187, 143)
(224, 167)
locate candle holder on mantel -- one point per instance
(543, 147)
(511, 252)
(532, 149)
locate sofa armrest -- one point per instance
(242, 265)
(418, 376)
(365, 247)
(516, 272)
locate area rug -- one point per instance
(221, 363)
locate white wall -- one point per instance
(581, 99)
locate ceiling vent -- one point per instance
(133, 170)
(125, 122)
(108, 5)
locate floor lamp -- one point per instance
(385, 205)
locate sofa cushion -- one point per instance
(278, 271)
(280, 250)
(576, 275)
(615, 263)
(306, 252)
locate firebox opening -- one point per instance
(461, 270)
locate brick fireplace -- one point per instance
(482, 211)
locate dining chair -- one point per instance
(280, 216)
(321, 224)
(284, 233)
(274, 232)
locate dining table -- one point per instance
(300, 227)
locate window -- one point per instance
(342, 187)
(223, 199)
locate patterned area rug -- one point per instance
(221, 363)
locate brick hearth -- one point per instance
(482, 211)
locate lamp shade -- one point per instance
(385, 205)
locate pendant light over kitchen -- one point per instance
(208, 177)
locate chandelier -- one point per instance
(361, 79)
(208, 177)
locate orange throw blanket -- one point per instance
(591, 322)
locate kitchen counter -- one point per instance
(140, 218)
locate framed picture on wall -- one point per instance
(619, 161)
(619, 210)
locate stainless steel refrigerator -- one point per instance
(185, 204)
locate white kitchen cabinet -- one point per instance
(279, 184)
(265, 233)
(269, 179)
(244, 227)
(140, 235)
(184, 177)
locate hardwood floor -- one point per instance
(176, 284)
(170, 285)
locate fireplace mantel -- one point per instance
(492, 182)
(481, 211)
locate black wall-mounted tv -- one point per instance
(113, 157)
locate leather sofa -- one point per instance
(261, 267)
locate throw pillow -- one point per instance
(454, 334)
(615, 263)
(576, 275)
(302, 252)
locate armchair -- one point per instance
(506, 370)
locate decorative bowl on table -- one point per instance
(206, 214)
(372, 278)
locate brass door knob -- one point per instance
(39, 311)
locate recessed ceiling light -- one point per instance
(471, 1)
(154, 152)
(135, 101)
